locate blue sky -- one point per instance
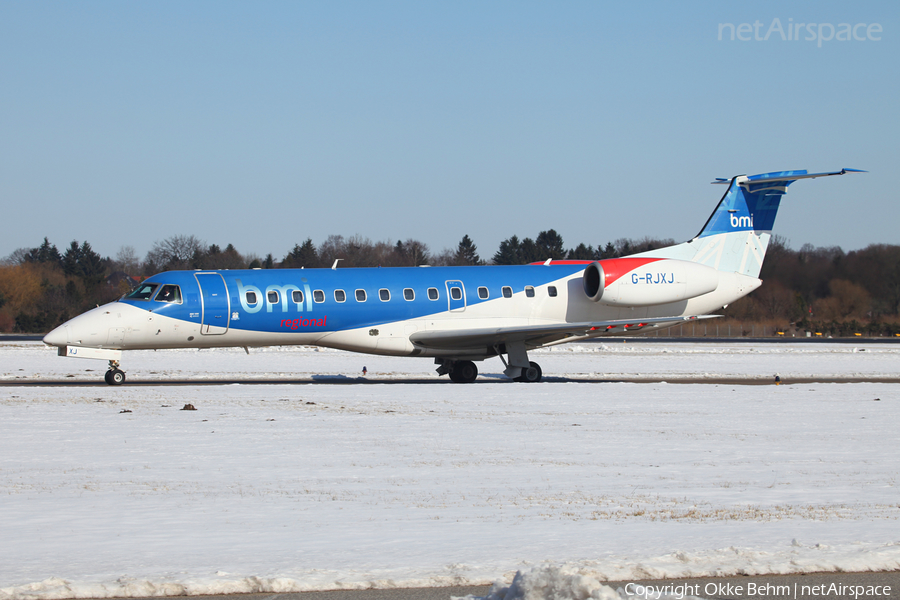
(262, 124)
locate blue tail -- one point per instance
(749, 203)
(736, 235)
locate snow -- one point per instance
(631, 360)
(287, 487)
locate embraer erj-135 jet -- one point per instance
(457, 315)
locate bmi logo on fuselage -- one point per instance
(281, 296)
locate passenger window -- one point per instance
(169, 293)
(384, 294)
(142, 292)
(318, 296)
(551, 290)
(529, 291)
(507, 291)
(409, 294)
(433, 294)
(339, 296)
(360, 295)
(297, 295)
(456, 293)
(483, 293)
(251, 297)
(272, 297)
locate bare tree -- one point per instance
(355, 251)
(17, 257)
(175, 252)
(127, 260)
(410, 253)
(847, 300)
(444, 258)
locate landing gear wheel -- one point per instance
(530, 375)
(114, 377)
(463, 371)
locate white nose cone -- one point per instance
(88, 329)
(58, 337)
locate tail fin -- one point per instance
(736, 235)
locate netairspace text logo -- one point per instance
(807, 32)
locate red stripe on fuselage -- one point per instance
(612, 267)
(564, 262)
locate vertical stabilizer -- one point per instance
(736, 235)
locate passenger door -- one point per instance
(215, 306)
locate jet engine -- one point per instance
(647, 281)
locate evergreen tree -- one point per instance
(72, 292)
(549, 244)
(582, 252)
(608, 252)
(71, 260)
(90, 266)
(529, 252)
(509, 252)
(304, 255)
(45, 253)
(232, 259)
(467, 253)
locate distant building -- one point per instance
(122, 281)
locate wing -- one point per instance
(535, 336)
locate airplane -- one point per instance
(456, 315)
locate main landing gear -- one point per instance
(463, 371)
(460, 371)
(518, 367)
(114, 376)
(531, 374)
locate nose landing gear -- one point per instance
(114, 376)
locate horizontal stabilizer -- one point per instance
(787, 176)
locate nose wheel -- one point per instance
(114, 376)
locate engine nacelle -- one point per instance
(647, 281)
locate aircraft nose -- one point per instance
(58, 337)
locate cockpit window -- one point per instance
(143, 291)
(169, 293)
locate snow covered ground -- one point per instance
(631, 359)
(117, 492)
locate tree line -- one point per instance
(813, 288)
